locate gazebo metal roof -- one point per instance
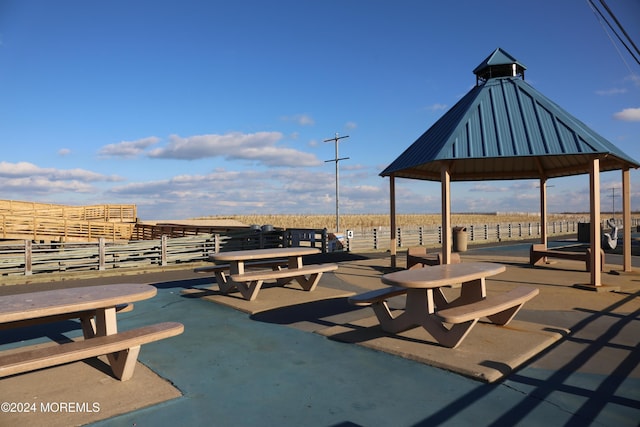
(505, 129)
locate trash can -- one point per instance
(459, 239)
(584, 232)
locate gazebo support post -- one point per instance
(596, 246)
(543, 211)
(393, 243)
(594, 185)
(626, 220)
(445, 180)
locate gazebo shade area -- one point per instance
(504, 129)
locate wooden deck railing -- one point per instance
(109, 213)
(39, 228)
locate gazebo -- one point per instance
(504, 129)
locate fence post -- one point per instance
(28, 252)
(101, 260)
(216, 243)
(375, 238)
(325, 240)
(163, 250)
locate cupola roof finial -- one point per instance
(498, 64)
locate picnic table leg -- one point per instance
(123, 362)
(106, 323)
(293, 263)
(419, 304)
(88, 325)
(224, 283)
(419, 311)
(249, 290)
(471, 291)
(309, 284)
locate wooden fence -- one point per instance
(42, 228)
(109, 213)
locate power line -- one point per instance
(621, 28)
(602, 18)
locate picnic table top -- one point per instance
(32, 305)
(442, 275)
(252, 254)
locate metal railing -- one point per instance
(27, 257)
(379, 238)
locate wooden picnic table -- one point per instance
(249, 283)
(448, 322)
(95, 307)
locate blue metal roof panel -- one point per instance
(505, 119)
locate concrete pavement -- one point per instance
(269, 368)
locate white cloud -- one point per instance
(18, 180)
(608, 92)
(41, 185)
(628, 115)
(29, 170)
(634, 79)
(301, 119)
(128, 148)
(260, 147)
(437, 107)
(64, 152)
(488, 188)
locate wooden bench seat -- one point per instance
(122, 350)
(284, 273)
(249, 283)
(500, 309)
(376, 296)
(538, 253)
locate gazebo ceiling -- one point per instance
(505, 129)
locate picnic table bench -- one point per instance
(539, 252)
(417, 257)
(96, 307)
(449, 322)
(249, 283)
(221, 271)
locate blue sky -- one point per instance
(191, 108)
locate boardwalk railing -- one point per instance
(27, 257)
(378, 238)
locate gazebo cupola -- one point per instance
(498, 64)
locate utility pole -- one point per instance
(613, 202)
(335, 139)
